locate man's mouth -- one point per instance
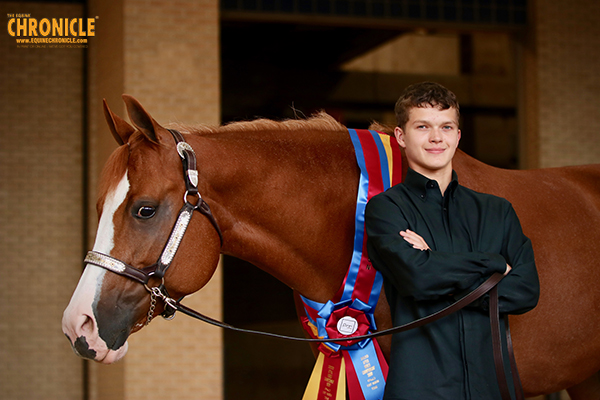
(435, 150)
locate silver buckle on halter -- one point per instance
(183, 146)
(193, 177)
(192, 174)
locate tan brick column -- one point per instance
(562, 72)
(41, 216)
(166, 54)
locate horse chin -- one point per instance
(112, 356)
(103, 355)
(137, 328)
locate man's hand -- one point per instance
(420, 244)
(417, 241)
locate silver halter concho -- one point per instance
(158, 269)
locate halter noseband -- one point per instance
(159, 268)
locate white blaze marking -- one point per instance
(92, 277)
(106, 230)
(105, 240)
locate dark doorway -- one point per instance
(278, 70)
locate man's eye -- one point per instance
(146, 212)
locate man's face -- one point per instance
(430, 139)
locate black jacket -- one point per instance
(471, 235)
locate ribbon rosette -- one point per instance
(345, 319)
(359, 361)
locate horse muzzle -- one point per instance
(82, 332)
(95, 332)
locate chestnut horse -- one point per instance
(284, 195)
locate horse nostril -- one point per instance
(84, 331)
(87, 326)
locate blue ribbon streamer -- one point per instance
(359, 221)
(370, 376)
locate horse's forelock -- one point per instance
(116, 165)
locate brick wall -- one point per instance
(567, 83)
(166, 54)
(40, 210)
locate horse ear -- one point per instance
(141, 119)
(119, 128)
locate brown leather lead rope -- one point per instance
(513, 363)
(497, 346)
(482, 289)
(489, 286)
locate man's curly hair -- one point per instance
(424, 94)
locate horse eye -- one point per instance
(146, 212)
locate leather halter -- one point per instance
(159, 268)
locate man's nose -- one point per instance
(435, 136)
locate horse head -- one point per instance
(142, 196)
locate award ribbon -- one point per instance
(351, 311)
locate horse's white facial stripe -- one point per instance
(88, 287)
(93, 275)
(106, 230)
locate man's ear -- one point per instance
(458, 140)
(399, 134)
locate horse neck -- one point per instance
(485, 178)
(285, 202)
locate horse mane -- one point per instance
(116, 165)
(387, 129)
(320, 121)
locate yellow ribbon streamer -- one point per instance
(314, 383)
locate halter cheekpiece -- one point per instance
(158, 269)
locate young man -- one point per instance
(434, 241)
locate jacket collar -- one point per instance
(421, 185)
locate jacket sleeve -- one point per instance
(423, 275)
(519, 291)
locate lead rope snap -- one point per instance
(156, 292)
